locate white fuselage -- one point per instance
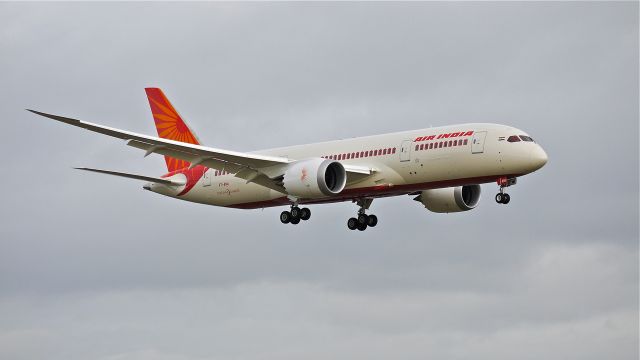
(403, 167)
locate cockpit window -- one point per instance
(526, 138)
(513, 138)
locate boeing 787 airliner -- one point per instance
(441, 167)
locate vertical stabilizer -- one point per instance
(169, 125)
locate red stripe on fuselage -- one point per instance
(192, 175)
(374, 191)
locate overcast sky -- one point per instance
(93, 267)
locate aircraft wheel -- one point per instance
(295, 221)
(295, 212)
(362, 227)
(499, 198)
(506, 198)
(352, 223)
(285, 217)
(372, 220)
(305, 214)
(362, 219)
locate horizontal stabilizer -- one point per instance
(137, 177)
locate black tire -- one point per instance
(352, 223)
(305, 214)
(362, 227)
(499, 198)
(506, 198)
(285, 217)
(295, 221)
(372, 220)
(362, 219)
(295, 212)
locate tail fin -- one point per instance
(169, 125)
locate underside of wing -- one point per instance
(263, 170)
(253, 165)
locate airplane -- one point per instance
(442, 167)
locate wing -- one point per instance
(260, 169)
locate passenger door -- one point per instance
(477, 143)
(405, 150)
(206, 178)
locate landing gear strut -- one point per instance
(363, 220)
(295, 215)
(502, 197)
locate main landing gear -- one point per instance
(363, 220)
(295, 215)
(502, 197)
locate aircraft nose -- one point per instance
(147, 186)
(538, 157)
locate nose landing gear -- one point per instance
(363, 220)
(503, 198)
(295, 215)
(503, 182)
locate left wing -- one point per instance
(260, 169)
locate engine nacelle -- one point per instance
(314, 178)
(451, 199)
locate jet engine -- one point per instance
(451, 199)
(314, 178)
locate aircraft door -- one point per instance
(477, 143)
(206, 178)
(405, 150)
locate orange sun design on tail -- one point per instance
(169, 125)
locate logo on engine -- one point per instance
(303, 177)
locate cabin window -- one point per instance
(465, 141)
(513, 138)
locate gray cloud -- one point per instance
(93, 267)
